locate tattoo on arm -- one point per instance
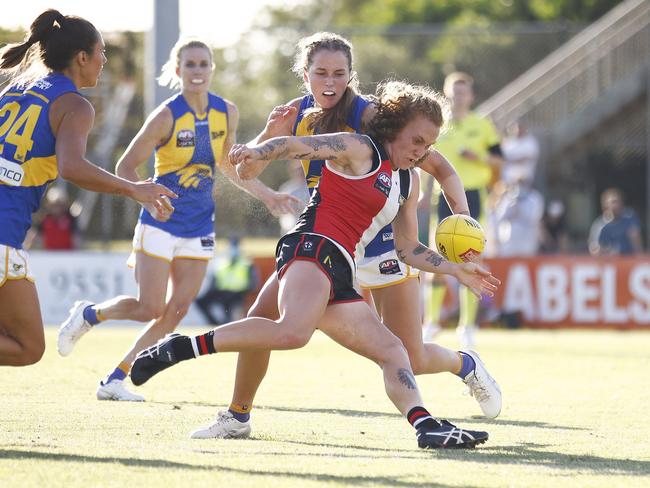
(430, 256)
(334, 144)
(406, 378)
(273, 149)
(433, 258)
(401, 254)
(419, 249)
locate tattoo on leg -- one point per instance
(406, 378)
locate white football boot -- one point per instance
(225, 426)
(115, 390)
(483, 387)
(74, 327)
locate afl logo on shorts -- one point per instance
(185, 138)
(390, 266)
(382, 183)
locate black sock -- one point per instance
(182, 347)
(203, 344)
(419, 417)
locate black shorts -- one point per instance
(328, 257)
(473, 202)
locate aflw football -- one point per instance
(460, 238)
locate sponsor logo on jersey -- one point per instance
(386, 236)
(185, 138)
(328, 261)
(11, 173)
(389, 266)
(217, 134)
(383, 182)
(42, 84)
(192, 175)
(207, 243)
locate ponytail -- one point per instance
(58, 39)
(13, 54)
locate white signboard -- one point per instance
(65, 277)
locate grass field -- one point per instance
(575, 414)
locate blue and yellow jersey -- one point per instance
(185, 164)
(27, 152)
(383, 241)
(313, 168)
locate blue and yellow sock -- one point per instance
(119, 373)
(241, 412)
(467, 365)
(92, 315)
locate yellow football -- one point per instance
(460, 238)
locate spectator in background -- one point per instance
(617, 230)
(554, 238)
(57, 227)
(517, 216)
(234, 276)
(520, 154)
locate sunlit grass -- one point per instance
(575, 414)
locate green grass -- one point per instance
(575, 414)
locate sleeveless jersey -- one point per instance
(350, 210)
(383, 241)
(27, 152)
(185, 164)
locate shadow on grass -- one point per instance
(397, 481)
(386, 415)
(533, 455)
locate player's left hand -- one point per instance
(283, 203)
(478, 279)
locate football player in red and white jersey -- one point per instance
(315, 261)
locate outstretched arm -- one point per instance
(349, 152)
(277, 203)
(441, 169)
(71, 118)
(411, 251)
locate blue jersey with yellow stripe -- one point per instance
(27, 152)
(383, 241)
(185, 164)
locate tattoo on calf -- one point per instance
(406, 378)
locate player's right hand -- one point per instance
(155, 195)
(280, 121)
